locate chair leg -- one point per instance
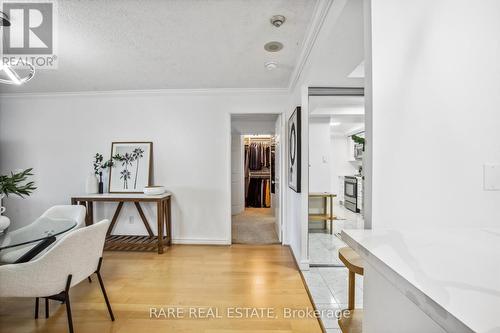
(46, 308)
(101, 284)
(36, 307)
(105, 296)
(68, 312)
(68, 305)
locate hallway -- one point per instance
(254, 226)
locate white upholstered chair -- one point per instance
(71, 212)
(72, 259)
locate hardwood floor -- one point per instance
(188, 277)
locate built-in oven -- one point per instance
(351, 193)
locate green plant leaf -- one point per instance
(13, 183)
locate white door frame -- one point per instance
(367, 166)
(282, 174)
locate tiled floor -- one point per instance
(323, 247)
(328, 287)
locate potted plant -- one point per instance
(99, 166)
(359, 140)
(15, 183)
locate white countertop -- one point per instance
(453, 275)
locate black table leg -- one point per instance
(36, 250)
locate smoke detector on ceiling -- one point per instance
(273, 46)
(278, 20)
(271, 65)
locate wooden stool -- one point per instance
(351, 323)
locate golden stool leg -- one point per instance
(351, 296)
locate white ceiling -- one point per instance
(339, 48)
(136, 45)
(253, 124)
(333, 104)
(348, 112)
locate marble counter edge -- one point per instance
(435, 311)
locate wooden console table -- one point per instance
(129, 242)
(327, 215)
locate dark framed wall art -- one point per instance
(132, 167)
(294, 150)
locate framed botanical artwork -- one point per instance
(294, 151)
(132, 166)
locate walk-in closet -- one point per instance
(255, 180)
(259, 171)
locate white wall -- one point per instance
(341, 165)
(435, 84)
(328, 157)
(57, 135)
(237, 176)
(321, 158)
(277, 197)
(320, 69)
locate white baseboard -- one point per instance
(201, 241)
(304, 265)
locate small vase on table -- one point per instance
(101, 184)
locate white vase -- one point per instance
(92, 184)
(4, 220)
(4, 223)
(2, 209)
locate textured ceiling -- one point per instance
(157, 44)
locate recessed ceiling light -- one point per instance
(273, 46)
(334, 123)
(278, 20)
(270, 65)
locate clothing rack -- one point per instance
(259, 176)
(259, 182)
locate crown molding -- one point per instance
(319, 15)
(159, 92)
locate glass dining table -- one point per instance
(23, 244)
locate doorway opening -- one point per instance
(255, 174)
(336, 177)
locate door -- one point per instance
(277, 178)
(237, 177)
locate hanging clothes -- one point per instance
(259, 193)
(258, 165)
(255, 152)
(268, 193)
(247, 170)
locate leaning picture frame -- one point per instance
(132, 167)
(294, 150)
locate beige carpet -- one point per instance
(254, 226)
